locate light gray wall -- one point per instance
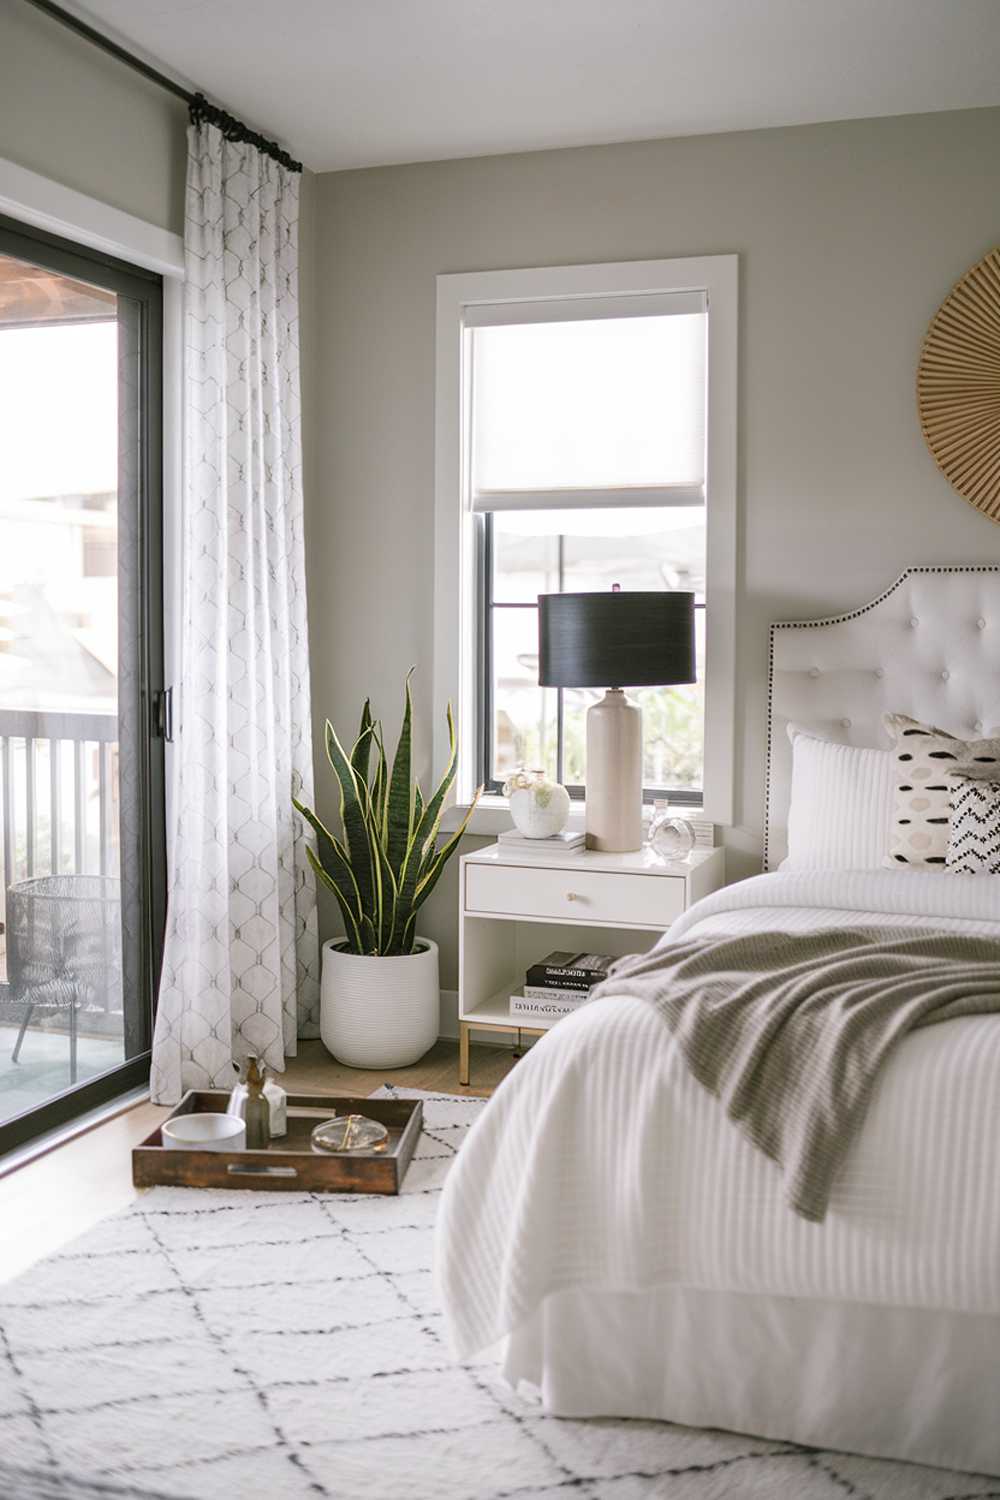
(76, 115)
(849, 235)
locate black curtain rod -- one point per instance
(201, 109)
(73, 23)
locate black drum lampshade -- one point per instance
(615, 639)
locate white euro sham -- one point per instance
(840, 816)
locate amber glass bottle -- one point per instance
(258, 1112)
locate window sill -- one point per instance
(492, 816)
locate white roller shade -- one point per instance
(583, 309)
(590, 410)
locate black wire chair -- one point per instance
(64, 949)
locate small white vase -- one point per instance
(541, 809)
(379, 1012)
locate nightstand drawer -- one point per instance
(574, 896)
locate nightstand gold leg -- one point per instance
(463, 1053)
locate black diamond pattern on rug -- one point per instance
(217, 1346)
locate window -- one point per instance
(81, 776)
(603, 419)
(567, 551)
(585, 438)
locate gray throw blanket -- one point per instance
(788, 1030)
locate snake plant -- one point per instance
(387, 862)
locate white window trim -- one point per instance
(50, 205)
(717, 276)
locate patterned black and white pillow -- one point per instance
(925, 758)
(974, 840)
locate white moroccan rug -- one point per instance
(253, 1346)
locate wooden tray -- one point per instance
(289, 1164)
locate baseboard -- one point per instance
(448, 1024)
(448, 1015)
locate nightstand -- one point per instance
(515, 908)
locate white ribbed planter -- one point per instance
(379, 1012)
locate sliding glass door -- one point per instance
(81, 660)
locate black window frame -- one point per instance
(486, 608)
(144, 288)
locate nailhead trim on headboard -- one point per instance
(854, 614)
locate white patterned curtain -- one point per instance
(241, 962)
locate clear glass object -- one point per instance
(670, 836)
(350, 1133)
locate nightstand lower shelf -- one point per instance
(492, 1015)
(466, 1028)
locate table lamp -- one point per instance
(613, 640)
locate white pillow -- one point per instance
(842, 801)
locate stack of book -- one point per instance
(570, 841)
(558, 984)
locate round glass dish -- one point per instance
(349, 1133)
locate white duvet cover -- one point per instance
(600, 1163)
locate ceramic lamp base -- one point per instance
(614, 774)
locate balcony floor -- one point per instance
(42, 1071)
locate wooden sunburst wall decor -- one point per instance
(958, 386)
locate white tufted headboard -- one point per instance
(929, 647)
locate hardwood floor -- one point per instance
(51, 1200)
(315, 1069)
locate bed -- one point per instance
(634, 1254)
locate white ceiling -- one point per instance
(353, 83)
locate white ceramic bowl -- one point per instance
(205, 1132)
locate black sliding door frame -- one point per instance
(143, 291)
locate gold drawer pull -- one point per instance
(572, 896)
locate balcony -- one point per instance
(61, 1015)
